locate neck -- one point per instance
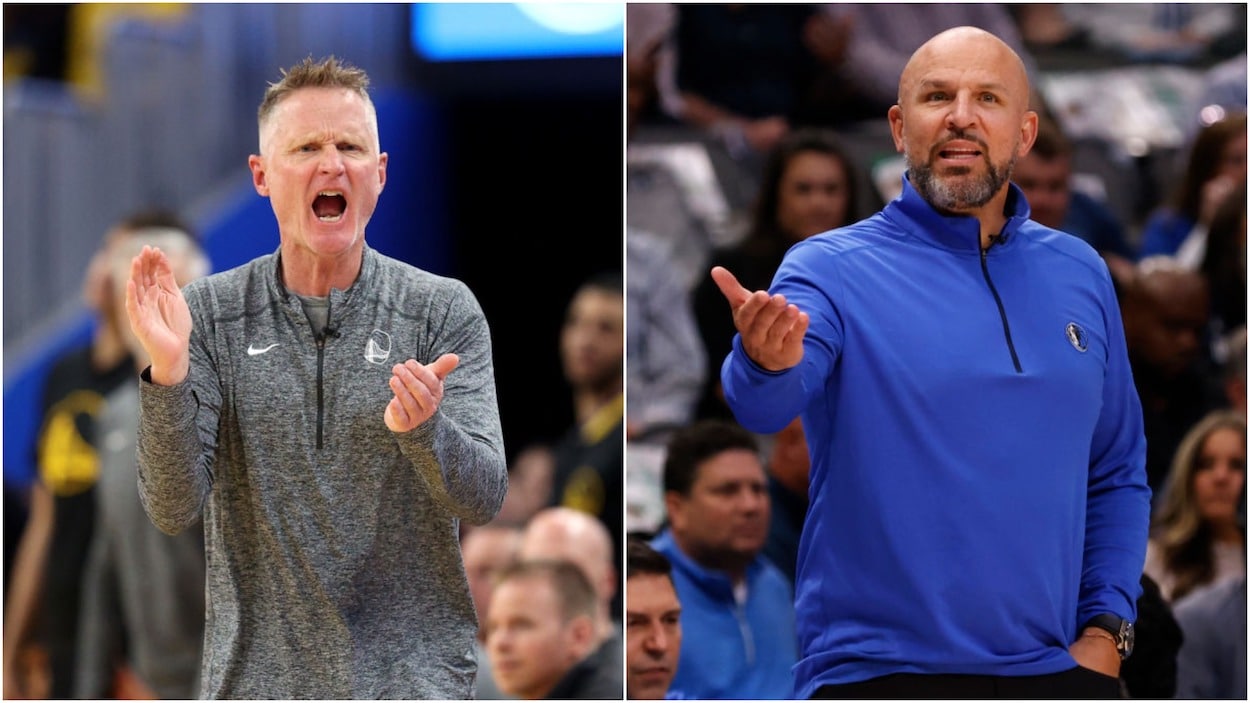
(107, 348)
(588, 400)
(308, 274)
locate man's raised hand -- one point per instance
(159, 316)
(772, 330)
(418, 390)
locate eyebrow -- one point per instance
(931, 84)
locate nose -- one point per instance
(657, 641)
(960, 114)
(331, 160)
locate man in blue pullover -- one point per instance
(979, 508)
(737, 613)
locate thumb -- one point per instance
(729, 286)
(444, 365)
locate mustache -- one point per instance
(961, 136)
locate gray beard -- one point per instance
(943, 194)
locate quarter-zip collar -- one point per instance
(957, 233)
(342, 302)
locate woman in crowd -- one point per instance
(1199, 533)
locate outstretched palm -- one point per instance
(159, 315)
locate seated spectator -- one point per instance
(880, 39)
(737, 609)
(1168, 32)
(1045, 176)
(1165, 309)
(589, 471)
(808, 187)
(747, 73)
(1221, 258)
(652, 623)
(1216, 167)
(666, 364)
(487, 550)
(580, 539)
(540, 634)
(1198, 537)
(1211, 663)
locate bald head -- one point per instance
(572, 535)
(966, 48)
(961, 121)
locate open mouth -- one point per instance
(329, 206)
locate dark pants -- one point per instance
(1073, 683)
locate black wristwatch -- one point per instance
(1121, 630)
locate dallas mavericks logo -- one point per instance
(1076, 336)
(378, 348)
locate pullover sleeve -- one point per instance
(765, 401)
(458, 453)
(1118, 501)
(177, 437)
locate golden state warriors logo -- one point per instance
(68, 463)
(1077, 337)
(378, 348)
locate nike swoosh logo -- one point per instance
(253, 351)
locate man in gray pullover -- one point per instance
(332, 412)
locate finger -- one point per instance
(444, 365)
(410, 401)
(730, 287)
(420, 385)
(396, 417)
(769, 315)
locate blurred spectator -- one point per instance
(737, 609)
(808, 187)
(487, 551)
(1216, 167)
(667, 364)
(529, 484)
(589, 459)
(1198, 537)
(652, 623)
(540, 634)
(1235, 371)
(1212, 661)
(582, 540)
(1220, 254)
(1043, 26)
(41, 609)
(142, 607)
(1165, 310)
(649, 25)
(882, 36)
(1159, 32)
(1045, 176)
(748, 73)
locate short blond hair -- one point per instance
(329, 72)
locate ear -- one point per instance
(257, 165)
(673, 503)
(895, 114)
(581, 633)
(1028, 133)
(382, 159)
